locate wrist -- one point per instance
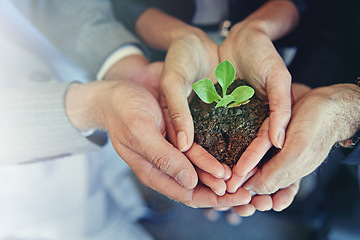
(126, 68)
(127, 50)
(349, 100)
(84, 105)
(159, 29)
(274, 18)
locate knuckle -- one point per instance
(170, 79)
(270, 188)
(177, 118)
(130, 140)
(161, 162)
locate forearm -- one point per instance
(347, 97)
(276, 18)
(159, 29)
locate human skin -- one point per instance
(321, 118)
(191, 56)
(130, 112)
(249, 47)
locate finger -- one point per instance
(262, 202)
(284, 197)
(278, 173)
(278, 87)
(205, 161)
(222, 209)
(298, 90)
(245, 210)
(250, 158)
(200, 196)
(228, 173)
(249, 175)
(175, 91)
(241, 197)
(164, 156)
(217, 185)
(198, 155)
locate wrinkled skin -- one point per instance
(320, 119)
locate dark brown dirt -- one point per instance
(226, 133)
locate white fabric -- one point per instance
(76, 197)
(119, 54)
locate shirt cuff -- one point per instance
(119, 54)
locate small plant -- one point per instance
(225, 75)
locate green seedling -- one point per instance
(225, 75)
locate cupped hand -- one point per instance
(136, 128)
(134, 121)
(189, 58)
(247, 167)
(136, 68)
(321, 118)
(200, 196)
(256, 60)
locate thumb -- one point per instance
(168, 159)
(161, 154)
(278, 87)
(175, 106)
(276, 174)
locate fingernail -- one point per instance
(232, 189)
(227, 172)
(221, 191)
(184, 178)
(281, 139)
(181, 141)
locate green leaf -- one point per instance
(225, 75)
(225, 101)
(206, 91)
(242, 94)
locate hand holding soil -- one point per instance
(225, 128)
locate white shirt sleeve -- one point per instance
(120, 53)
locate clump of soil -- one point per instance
(226, 132)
